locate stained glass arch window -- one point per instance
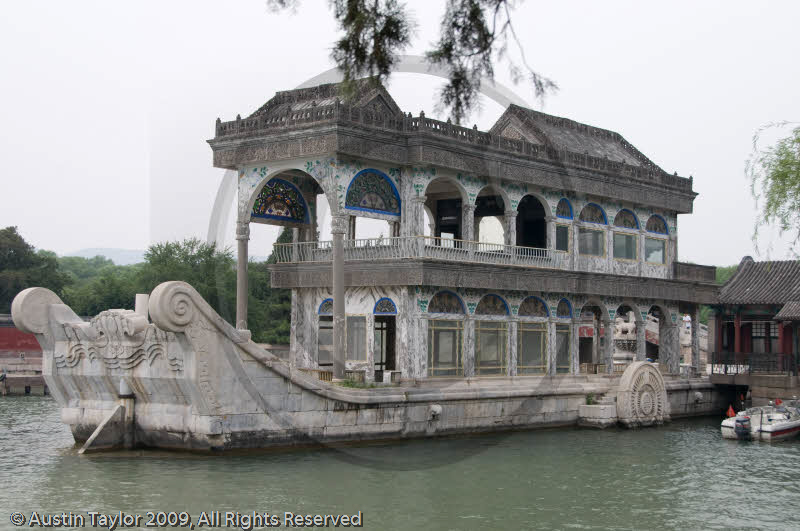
(593, 213)
(626, 219)
(491, 305)
(280, 200)
(385, 306)
(446, 302)
(533, 307)
(326, 307)
(564, 309)
(564, 209)
(373, 191)
(656, 224)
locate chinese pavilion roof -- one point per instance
(367, 94)
(537, 127)
(789, 312)
(773, 282)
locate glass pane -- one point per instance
(562, 238)
(624, 246)
(532, 351)
(590, 242)
(357, 338)
(654, 251)
(445, 348)
(325, 341)
(562, 349)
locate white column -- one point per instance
(575, 346)
(551, 232)
(551, 346)
(467, 222)
(608, 351)
(242, 239)
(339, 225)
(511, 227)
(513, 341)
(641, 341)
(468, 352)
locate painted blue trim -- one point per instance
(460, 300)
(666, 225)
(571, 212)
(384, 212)
(546, 308)
(508, 311)
(632, 213)
(319, 309)
(283, 218)
(569, 305)
(384, 313)
(602, 211)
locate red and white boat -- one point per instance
(766, 423)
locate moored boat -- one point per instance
(766, 423)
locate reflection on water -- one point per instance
(681, 476)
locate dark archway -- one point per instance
(531, 224)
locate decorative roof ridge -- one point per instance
(527, 116)
(365, 91)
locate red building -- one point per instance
(20, 360)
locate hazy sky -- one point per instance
(107, 106)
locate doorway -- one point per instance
(384, 345)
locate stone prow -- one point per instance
(30, 309)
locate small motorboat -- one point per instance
(766, 423)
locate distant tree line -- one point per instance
(91, 285)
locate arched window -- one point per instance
(326, 307)
(446, 302)
(564, 209)
(280, 200)
(373, 191)
(385, 306)
(656, 224)
(491, 305)
(564, 309)
(533, 307)
(593, 214)
(626, 219)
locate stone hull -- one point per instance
(196, 383)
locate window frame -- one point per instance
(560, 329)
(626, 234)
(602, 239)
(492, 326)
(533, 326)
(568, 226)
(663, 242)
(347, 337)
(325, 319)
(458, 327)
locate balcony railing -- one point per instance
(422, 247)
(733, 363)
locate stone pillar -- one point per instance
(574, 347)
(511, 227)
(641, 341)
(551, 232)
(737, 338)
(339, 226)
(551, 346)
(513, 341)
(351, 227)
(696, 339)
(468, 222)
(669, 345)
(468, 352)
(608, 345)
(295, 247)
(417, 224)
(242, 238)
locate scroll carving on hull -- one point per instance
(642, 397)
(119, 339)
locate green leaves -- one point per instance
(774, 175)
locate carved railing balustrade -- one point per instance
(422, 247)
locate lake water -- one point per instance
(680, 476)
